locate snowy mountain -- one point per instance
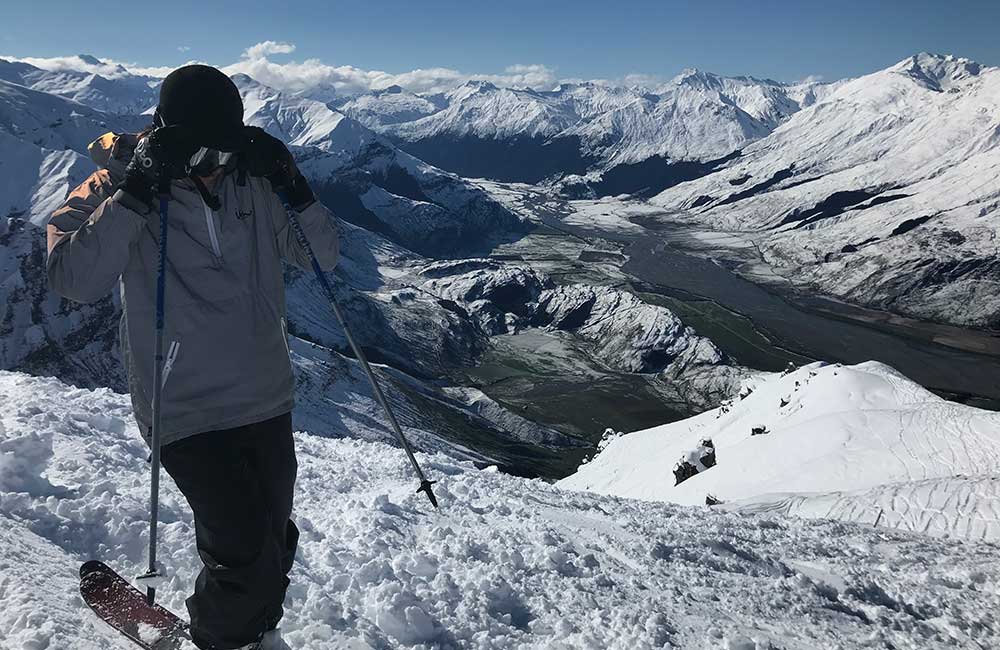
(392, 105)
(114, 90)
(883, 192)
(365, 179)
(509, 134)
(506, 563)
(860, 443)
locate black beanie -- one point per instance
(207, 101)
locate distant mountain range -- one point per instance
(399, 214)
(584, 129)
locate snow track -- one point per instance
(506, 563)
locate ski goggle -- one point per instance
(205, 160)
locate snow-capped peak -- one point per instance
(938, 72)
(695, 78)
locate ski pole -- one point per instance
(152, 571)
(300, 235)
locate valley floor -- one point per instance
(664, 254)
(506, 563)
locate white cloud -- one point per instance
(158, 71)
(299, 76)
(105, 67)
(261, 50)
(641, 79)
(309, 74)
(80, 63)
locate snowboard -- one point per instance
(123, 607)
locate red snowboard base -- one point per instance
(124, 608)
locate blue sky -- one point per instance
(575, 39)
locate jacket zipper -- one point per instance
(168, 364)
(213, 234)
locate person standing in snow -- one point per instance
(227, 379)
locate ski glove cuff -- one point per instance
(298, 193)
(268, 157)
(159, 157)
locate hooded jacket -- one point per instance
(227, 360)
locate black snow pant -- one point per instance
(239, 483)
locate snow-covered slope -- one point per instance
(43, 155)
(506, 563)
(886, 191)
(954, 506)
(839, 441)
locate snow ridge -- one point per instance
(830, 441)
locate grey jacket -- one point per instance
(227, 353)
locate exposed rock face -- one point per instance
(695, 462)
(625, 333)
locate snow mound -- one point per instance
(506, 563)
(831, 441)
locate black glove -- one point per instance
(159, 157)
(268, 157)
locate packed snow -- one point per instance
(846, 442)
(506, 562)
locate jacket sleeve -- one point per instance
(321, 230)
(90, 239)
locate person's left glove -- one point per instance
(159, 157)
(268, 157)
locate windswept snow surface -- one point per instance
(843, 441)
(506, 563)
